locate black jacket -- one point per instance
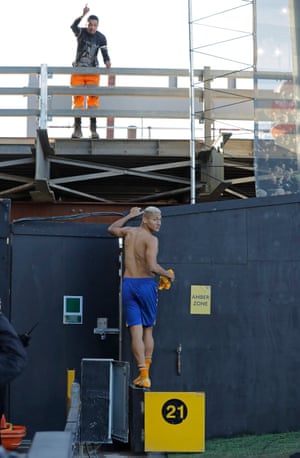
(88, 46)
(13, 357)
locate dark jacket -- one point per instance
(13, 357)
(88, 46)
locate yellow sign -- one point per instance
(200, 300)
(174, 422)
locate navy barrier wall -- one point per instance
(245, 355)
(51, 260)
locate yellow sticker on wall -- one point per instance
(200, 300)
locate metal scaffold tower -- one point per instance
(214, 38)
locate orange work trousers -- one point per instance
(85, 80)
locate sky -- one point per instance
(139, 33)
(152, 34)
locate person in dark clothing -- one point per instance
(13, 357)
(89, 42)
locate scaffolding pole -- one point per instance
(192, 108)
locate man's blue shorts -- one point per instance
(139, 296)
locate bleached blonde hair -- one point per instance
(150, 210)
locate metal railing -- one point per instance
(153, 96)
(165, 96)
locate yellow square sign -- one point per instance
(200, 299)
(174, 422)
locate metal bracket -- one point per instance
(103, 331)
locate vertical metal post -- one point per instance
(41, 163)
(44, 97)
(33, 102)
(110, 121)
(254, 28)
(255, 88)
(207, 105)
(192, 107)
(120, 353)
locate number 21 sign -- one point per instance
(174, 422)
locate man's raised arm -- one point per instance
(117, 228)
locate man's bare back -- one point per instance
(138, 243)
(141, 246)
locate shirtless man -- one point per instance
(139, 289)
